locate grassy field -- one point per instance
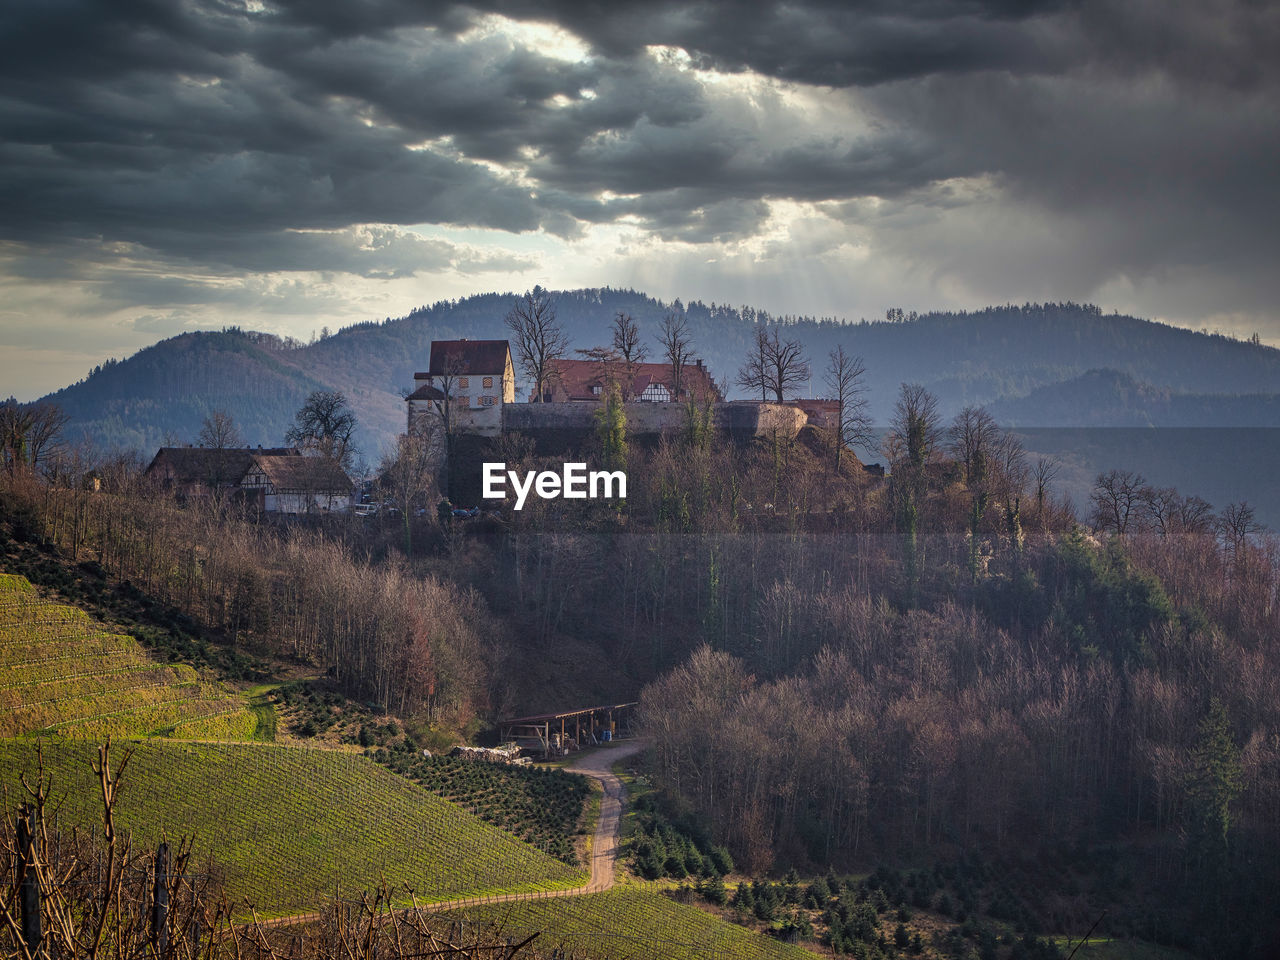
(627, 924)
(286, 824)
(61, 672)
(540, 806)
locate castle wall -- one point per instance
(742, 420)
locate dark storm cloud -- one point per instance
(212, 131)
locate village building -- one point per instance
(199, 471)
(469, 380)
(292, 484)
(588, 380)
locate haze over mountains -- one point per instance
(1034, 365)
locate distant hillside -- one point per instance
(1108, 398)
(987, 356)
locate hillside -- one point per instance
(62, 673)
(288, 824)
(999, 353)
(633, 924)
(1109, 398)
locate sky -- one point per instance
(291, 165)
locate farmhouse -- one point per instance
(588, 380)
(292, 484)
(198, 471)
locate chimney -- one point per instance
(698, 363)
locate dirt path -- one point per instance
(604, 846)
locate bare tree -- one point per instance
(1044, 472)
(1236, 523)
(1010, 463)
(540, 340)
(325, 425)
(1118, 500)
(218, 433)
(406, 472)
(775, 365)
(631, 352)
(677, 345)
(972, 441)
(29, 433)
(914, 429)
(607, 361)
(453, 367)
(844, 378)
(1192, 514)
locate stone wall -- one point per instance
(741, 419)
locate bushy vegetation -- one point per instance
(384, 635)
(958, 910)
(679, 847)
(540, 805)
(289, 825)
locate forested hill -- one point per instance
(996, 354)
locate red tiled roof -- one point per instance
(573, 379)
(474, 356)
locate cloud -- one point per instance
(316, 155)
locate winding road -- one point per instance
(604, 846)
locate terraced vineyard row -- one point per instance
(288, 824)
(633, 925)
(539, 805)
(60, 672)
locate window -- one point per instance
(595, 388)
(463, 401)
(462, 382)
(487, 401)
(488, 383)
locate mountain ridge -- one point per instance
(993, 356)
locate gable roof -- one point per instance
(573, 379)
(319, 474)
(192, 465)
(474, 357)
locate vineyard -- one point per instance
(288, 825)
(62, 673)
(540, 806)
(633, 925)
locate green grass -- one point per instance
(627, 924)
(60, 672)
(286, 824)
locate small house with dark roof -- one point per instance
(469, 380)
(293, 484)
(199, 471)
